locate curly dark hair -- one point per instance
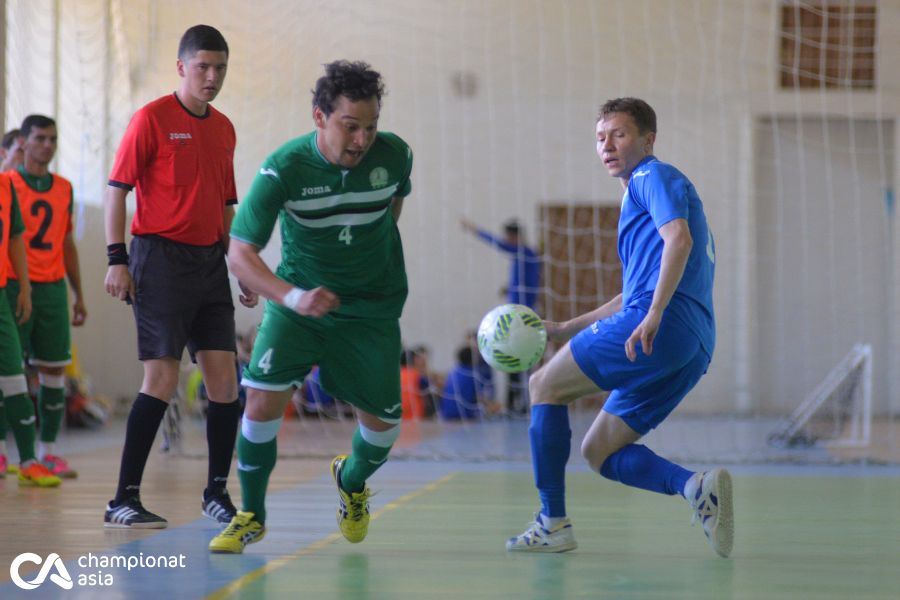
(643, 115)
(354, 80)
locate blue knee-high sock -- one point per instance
(639, 467)
(551, 440)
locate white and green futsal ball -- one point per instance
(512, 338)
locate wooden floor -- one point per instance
(440, 526)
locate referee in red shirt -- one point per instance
(178, 156)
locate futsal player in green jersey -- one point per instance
(336, 296)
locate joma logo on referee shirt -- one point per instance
(180, 136)
(319, 189)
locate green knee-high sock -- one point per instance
(52, 404)
(365, 460)
(20, 416)
(255, 463)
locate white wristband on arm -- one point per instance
(292, 298)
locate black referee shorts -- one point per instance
(183, 298)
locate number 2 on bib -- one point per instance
(345, 235)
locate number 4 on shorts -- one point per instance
(265, 361)
(345, 235)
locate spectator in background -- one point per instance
(316, 401)
(459, 399)
(522, 288)
(525, 268)
(484, 375)
(12, 151)
(416, 384)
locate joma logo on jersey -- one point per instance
(319, 189)
(180, 136)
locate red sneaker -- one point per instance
(59, 467)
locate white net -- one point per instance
(781, 113)
(838, 412)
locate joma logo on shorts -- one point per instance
(180, 136)
(319, 189)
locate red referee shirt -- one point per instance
(181, 167)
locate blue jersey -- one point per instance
(658, 193)
(524, 271)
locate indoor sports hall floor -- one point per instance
(803, 531)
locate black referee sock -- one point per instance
(143, 423)
(221, 434)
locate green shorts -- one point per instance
(359, 358)
(10, 350)
(46, 336)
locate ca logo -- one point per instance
(60, 578)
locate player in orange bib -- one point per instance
(46, 202)
(17, 408)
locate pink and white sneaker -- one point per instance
(59, 466)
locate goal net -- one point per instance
(838, 412)
(781, 112)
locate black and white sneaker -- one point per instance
(131, 514)
(218, 507)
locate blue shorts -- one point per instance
(645, 391)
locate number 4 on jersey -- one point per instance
(345, 235)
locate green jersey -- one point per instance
(337, 228)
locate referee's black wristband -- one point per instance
(117, 254)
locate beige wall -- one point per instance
(524, 137)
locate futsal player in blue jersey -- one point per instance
(648, 346)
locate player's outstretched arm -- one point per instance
(563, 332)
(118, 280)
(467, 225)
(249, 267)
